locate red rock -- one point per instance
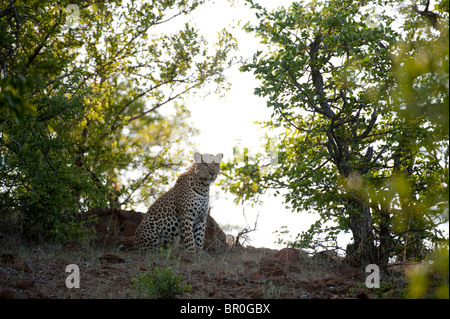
(274, 270)
(221, 277)
(142, 266)
(6, 293)
(288, 255)
(127, 242)
(215, 238)
(257, 276)
(111, 259)
(15, 262)
(9, 258)
(113, 225)
(271, 266)
(268, 261)
(24, 284)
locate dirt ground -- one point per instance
(243, 273)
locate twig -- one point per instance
(243, 234)
(53, 81)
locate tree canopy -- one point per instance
(81, 90)
(361, 90)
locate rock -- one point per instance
(24, 284)
(142, 266)
(284, 260)
(274, 270)
(326, 255)
(257, 277)
(271, 266)
(9, 258)
(14, 261)
(215, 238)
(268, 261)
(254, 293)
(6, 293)
(288, 255)
(128, 228)
(127, 242)
(111, 259)
(117, 227)
(113, 225)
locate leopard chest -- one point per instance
(194, 203)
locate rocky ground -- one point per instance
(107, 268)
(40, 272)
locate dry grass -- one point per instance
(39, 272)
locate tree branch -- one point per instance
(40, 46)
(430, 15)
(372, 122)
(8, 10)
(158, 105)
(52, 81)
(317, 78)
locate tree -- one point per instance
(347, 151)
(81, 89)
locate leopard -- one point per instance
(181, 211)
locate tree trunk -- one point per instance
(385, 247)
(363, 249)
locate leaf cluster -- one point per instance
(80, 103)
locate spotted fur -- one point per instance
(182, 210)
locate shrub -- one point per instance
(160, 283)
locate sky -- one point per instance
(228, 121)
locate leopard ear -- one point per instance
(197, 157)
(218, 158)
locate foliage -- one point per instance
(82, 89)
(160, 283)
(364, 109)
(430, 280)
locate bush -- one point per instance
(43, 184)
(160, 283)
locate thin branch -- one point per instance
(38, 49)
(370, 126)
(158, 105)
(289, 121)
(52, 81)
(299, 87)
(386, 132)
(136, 188)
(9, 9)
(243, 233)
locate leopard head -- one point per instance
(207, 166)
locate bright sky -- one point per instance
(225, 122)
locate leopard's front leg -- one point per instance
(199, 234)
(188, 234)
